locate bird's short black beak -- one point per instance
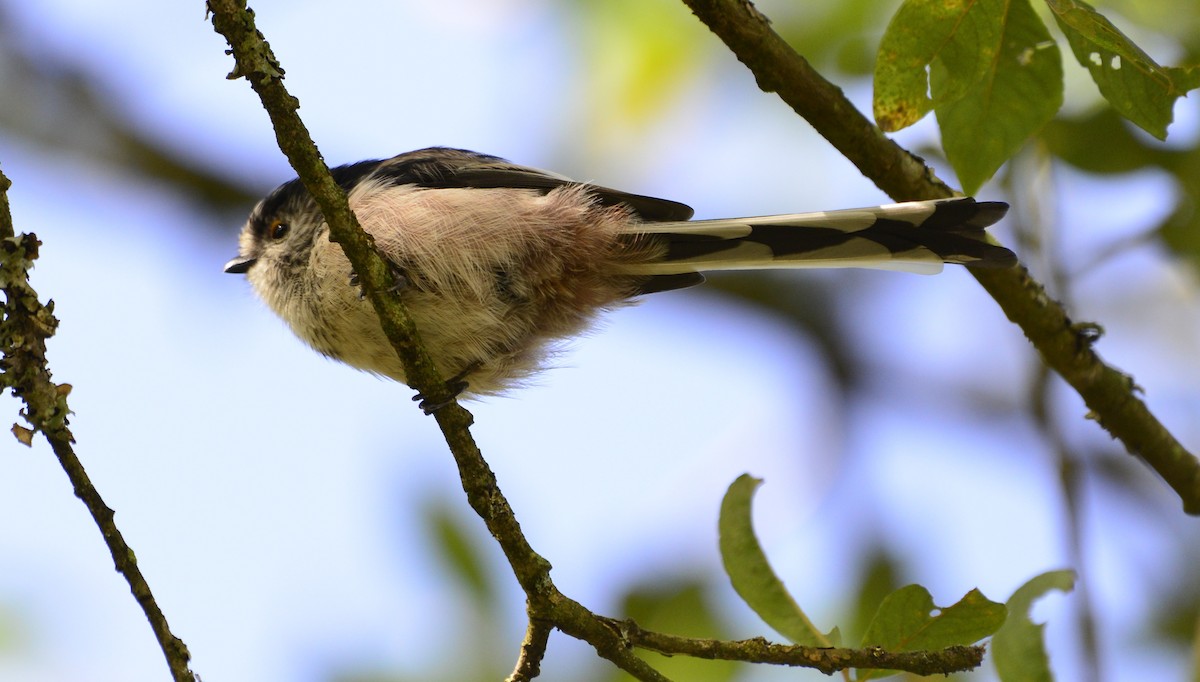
(240, 265)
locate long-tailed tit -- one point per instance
(497, 262)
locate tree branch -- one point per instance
(1066, 347)
(547, 607)
(533, 650)
(825, 659)
(255, 62)
(24, 329)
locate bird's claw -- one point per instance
(455, 387)
(399, 282)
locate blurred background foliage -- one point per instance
(632, 70)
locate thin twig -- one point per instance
(1065, 346)
(610, 643)
(825, 659)
(1032, 228)
(25, 327)
(1071, 475)
(533, 650)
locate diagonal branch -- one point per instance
(1065, 347)
(25, 324)
(256, 63)
(547, 607)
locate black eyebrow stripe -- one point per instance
(294, 192)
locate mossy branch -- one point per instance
(24, 329)
(825, 659)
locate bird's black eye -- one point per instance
(277, 229)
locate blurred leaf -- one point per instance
(1102, 142)
(643, 51)
(841, 35)
(15, 632)
(1137, 87)
(906, 621)
(1176, 616)
(679, 608)
(63, 106)
(878, 580)
(807, 304)
(751, 574)
(1181, 230)
(856, 56)
(1019, 92)
(1018, 649)
(459, 553)
(963, 37)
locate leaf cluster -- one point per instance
(992, 73)
(906, 620)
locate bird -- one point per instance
(499, 264)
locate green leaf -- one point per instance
(1017, 649)
(751, 575)
(1020, 91)
(1137, 87)
(920, 33)
(906, 621)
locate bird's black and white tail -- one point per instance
(916, 236)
